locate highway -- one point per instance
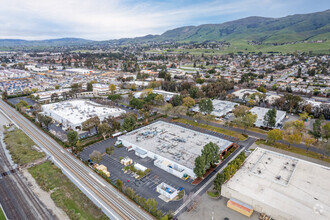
(113, 203)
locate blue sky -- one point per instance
(111, 19)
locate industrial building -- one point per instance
(166, 190)
(46, 95)
(220, 107)
(173, 148)
(100, 89)
(270, 96)
(281, 186)
(71, 114)
(261, 112)
(167, 95)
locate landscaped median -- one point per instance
(64, 193)
(234, 134)
(295, 150)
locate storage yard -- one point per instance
(71, 114)
(281, 186)
(173, 147)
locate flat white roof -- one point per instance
(173, 142)
(261, 112)
(220, 107)
(78, 111)
(282, 186)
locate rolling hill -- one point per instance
(293, 28)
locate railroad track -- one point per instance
(13, 190)
(111, 200)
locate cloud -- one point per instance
(109, 19)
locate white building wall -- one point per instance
(156, 157)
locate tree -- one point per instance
(159, 99)
(262, 89)
(129, 123)
(211, 154)
(46, 120)
(179, 110)
(90, 123)
(166, 108)
(72, 138)
(218, 181)
(4, 95)
(114, 97)
(112, 88)
(274, 135)
(110, 150)
(104, 129)
(21, 105)
(151, 205)
(326, 130)
(292, 136)
(240, 110)
(90, 86)
(95, 156)
(120, 184)
(309, 141)
(137, 103)
(270, 118)
(316, 132)
(188, 102)
(205, 106)
(199, 169)
(54, 97)
(176, 100)
(304, 116)
(246, 121)
(298, 125)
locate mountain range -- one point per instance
(299, 27)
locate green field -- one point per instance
(64, 193)
(244, 47)
(240, 136)
(2, 215)
(21, 148)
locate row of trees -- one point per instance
(209, 158)
(150, 204)
(229, 171)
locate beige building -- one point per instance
(281, 186)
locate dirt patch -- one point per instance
(44, 196)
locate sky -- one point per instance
(113, 19)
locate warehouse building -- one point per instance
(281, 186)
(173, 148)
(220, 107)
(71, 114)
(261, 112)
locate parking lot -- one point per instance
(145, 187)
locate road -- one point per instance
(256, 135)
(113, 203)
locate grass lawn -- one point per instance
(21, 148)
(295, 150)
(257, 130)
(240, 136)
(2, 215)
(64, 193)
(213, 194)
